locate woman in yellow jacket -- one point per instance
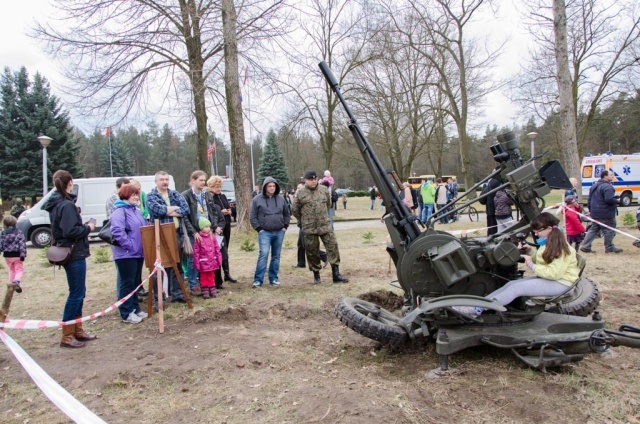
(555, 266)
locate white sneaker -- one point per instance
(275, 283)
(132, 319)
(142, 314)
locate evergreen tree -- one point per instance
(27, 110)
(272, 164)
(121, 159)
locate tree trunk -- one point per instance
(569, 150)
(192, 36)
(242, 179)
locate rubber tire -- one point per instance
(473, 212)
(625, 200)
(41, 237)
(349, 314)
(585, 301)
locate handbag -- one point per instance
(59, 255)
(187, 247)
(105, 232)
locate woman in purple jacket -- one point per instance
(126, 221)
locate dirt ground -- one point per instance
(281, 356)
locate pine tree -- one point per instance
(121, 159)
(272, 164)
(28, 110)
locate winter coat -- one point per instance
(503, 203)
(311, 208)
(428, 193)
(489, 201)
(206, 254)
(573, 225)
(441, 195)
(408, 198)
(269, 213)
(126, 220)
(67, 228)
(12, 243)
(602, 200)
(564, 269)
(192, 218)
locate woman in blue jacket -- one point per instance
(126, 221)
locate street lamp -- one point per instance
(44, 141)
(532, 136)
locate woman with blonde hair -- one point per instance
(214, 184)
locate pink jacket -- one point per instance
(206, 254)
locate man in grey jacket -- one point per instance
(270, 217)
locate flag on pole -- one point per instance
(210, 151)
(107, 132)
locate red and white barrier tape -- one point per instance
(601, 224)
(55, 392)
(24, 324)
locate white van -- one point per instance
(626, 172)
(92, 197)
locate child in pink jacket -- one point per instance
(14, 250)
(207, 258)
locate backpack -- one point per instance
(334, 196)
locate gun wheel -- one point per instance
(584, 300)
(370, 320)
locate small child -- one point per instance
(344, 201)
(13, 245)
(573, 226)
(207, 258)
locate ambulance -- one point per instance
(626, 172)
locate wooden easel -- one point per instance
(160, 241)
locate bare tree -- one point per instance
(438, 31)
(600, 41)
(337, 32)
(142, 55)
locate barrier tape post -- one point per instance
(6, 303)
(160, 292)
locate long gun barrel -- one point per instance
(405, 222)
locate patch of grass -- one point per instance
(248, 246)
(368, 237)
(288, 244)
(101, 255)
(43, 256)
(628, 219)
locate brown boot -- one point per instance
(80, 335)
(67, 337)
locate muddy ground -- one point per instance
(281, 356)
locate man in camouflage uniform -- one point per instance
(311, 209)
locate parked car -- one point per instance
(229, 190)
(342, 191)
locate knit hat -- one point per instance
(203, 223)
(570, 199)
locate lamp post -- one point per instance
(44, 141)
(532, 136)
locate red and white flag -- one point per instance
(210, 151)
(107, 132)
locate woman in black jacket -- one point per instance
(215, 187)
(69, 231)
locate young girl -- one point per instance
(573, 226)
(555, 266)
(344, 201)
(13, 245)
(207, 258)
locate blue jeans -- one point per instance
(269, 240)
(76, 277)
(129, 275)
(192, 272)
(373, 203)
(427, 211)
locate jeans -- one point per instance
(427, 211)
(129, 274)
(192, 272)
(442, 211)
(76, 278)
(331, 212)
(595, 229)
(373, 203)
(269, 240)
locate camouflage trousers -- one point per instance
(312, 249)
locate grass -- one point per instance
(295, 362)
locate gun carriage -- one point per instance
(438, 271)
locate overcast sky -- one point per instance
(17, 49)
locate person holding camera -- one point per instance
(555, 265)
(68, 230)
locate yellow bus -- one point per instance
(416, 182)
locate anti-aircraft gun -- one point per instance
(439, 271)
